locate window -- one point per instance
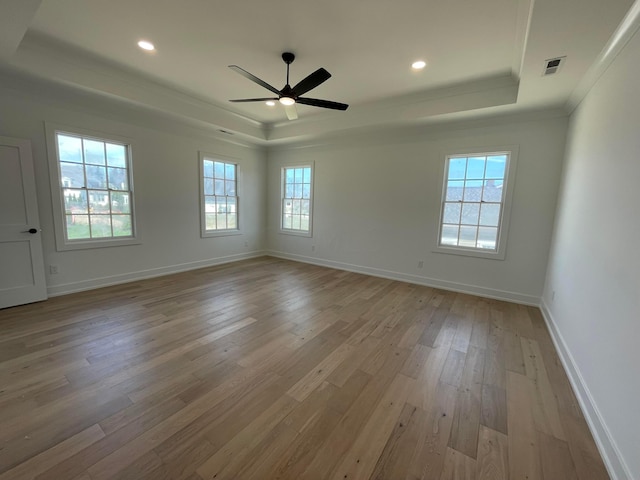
(92, 189)
(219, 196)
(474, 203)
(297, 192)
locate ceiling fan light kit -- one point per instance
(289, 96)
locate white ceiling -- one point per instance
(483, 56)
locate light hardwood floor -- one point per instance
(270, 369)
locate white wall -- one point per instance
(165, 167)
(594, 265)
(377, 201)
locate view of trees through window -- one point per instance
(296, 201)
(220, 195)
(473, 200)
(94, 177)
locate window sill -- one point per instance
(471, 252)
(296, 233)
(90, 244)
(220, 233)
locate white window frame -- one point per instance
(214, 157)
(508, 186)
(57, 193)
(290, 231)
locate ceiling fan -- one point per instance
(290, 96)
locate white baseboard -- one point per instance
(67, 288)
(609, 451)
(416, 279)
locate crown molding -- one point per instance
(14, 22)
(430, 128)
(57, 95)
(498, 90)
(523, 26)
(46, 58)
(625, 31)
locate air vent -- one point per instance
(553, 65)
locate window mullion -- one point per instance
(86, 185)
(220, 196)
(468, 189)
(293, 184)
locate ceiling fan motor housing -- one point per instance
(288, 57)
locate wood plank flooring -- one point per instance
(270, 369)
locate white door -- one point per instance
(21, 263)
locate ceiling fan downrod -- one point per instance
(288, 58)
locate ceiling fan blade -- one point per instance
(290, 110)
(242, 100)
(311, 82)
(314, 102)
(253, 78)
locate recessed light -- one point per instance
(146, 45)
(418, 65)
(271, 103)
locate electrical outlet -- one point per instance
(246, 244)
(313, 248)
(53, 269)
(420, 264)
(553, 296)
